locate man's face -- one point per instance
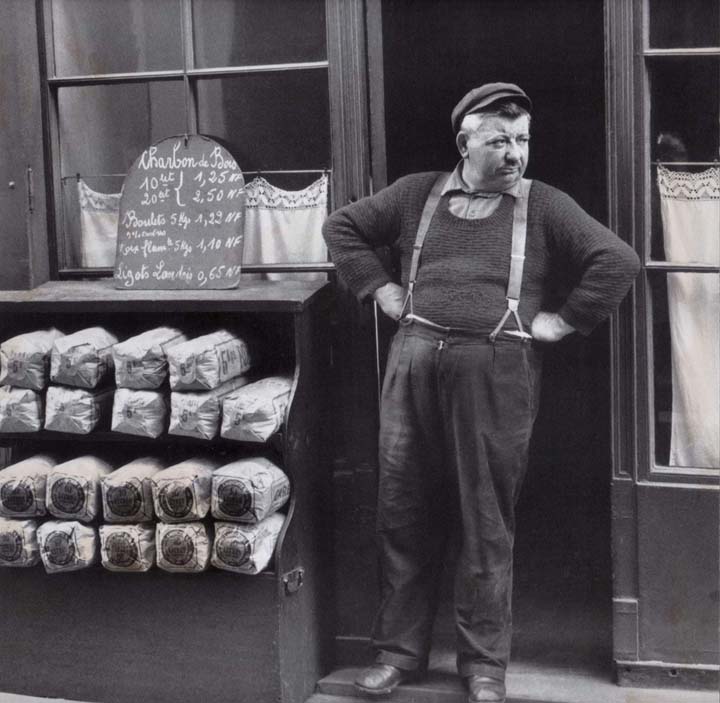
(496, 154)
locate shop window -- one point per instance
(682, 243)
(259, 116)
(122, 74)
(686, 24)
(256, 32)
(93, 37)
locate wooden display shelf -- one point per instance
(77, 296)
(213, 636)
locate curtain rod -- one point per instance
(686, 163)
(258, 172)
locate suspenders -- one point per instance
(517, 255)
(427, 214)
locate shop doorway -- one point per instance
(433, 52)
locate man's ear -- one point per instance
(461, 140)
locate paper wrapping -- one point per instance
(127, 547)
(181, 493)
(67, 545)
(21, 410)
(183, 548)
(18, 543)
(73, 488)
(23, 487)
(77, 410)
(246, 549)
(248, 490)
(25, 359)
(205, 362)
(141, 361)
(127, 492)
(198, 415)
(256, 411)
(82, 359)
(142, 413)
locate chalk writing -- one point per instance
(181, 217)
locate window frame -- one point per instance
(190, 76)
(645, 438)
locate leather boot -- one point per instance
(484, 689)
(381, 679)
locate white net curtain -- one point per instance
(690, 209)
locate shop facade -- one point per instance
(618, 523)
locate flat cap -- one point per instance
(484, 96)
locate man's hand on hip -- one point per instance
(550, 327)
(390, 298)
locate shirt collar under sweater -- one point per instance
(457, 182)
(468, 204)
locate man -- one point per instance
(479, 250)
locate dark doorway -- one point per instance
(434, 52)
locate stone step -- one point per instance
(537, 687)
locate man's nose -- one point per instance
(513, 152)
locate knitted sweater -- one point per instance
(463, 273)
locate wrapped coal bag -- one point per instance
(127, 547)
(23, 487)
(127, 491)
(205, 362)
(183, 548)
(256, 411)
(18, 543)
(67, 545)
(82, 359)
(198, 415)
(73, 488)
(21, 410)
(142, 413)
(246, 549)
(77, 410)
(25, 359)
(248, 490)
(141, 361)
(181, 493)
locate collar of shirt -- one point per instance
(457, 183)
(469, 204)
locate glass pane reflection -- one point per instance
(269, 121)
(116, 36)
(685, 330)
(252, 32)
(690, 23)
(118, 122)
(685, 109)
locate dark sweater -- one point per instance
(462, 279)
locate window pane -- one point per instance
(116, 36)
(103, 129)
(686, 328)
(684, 119)
(252, 32)
(269, 121)
(690, 23)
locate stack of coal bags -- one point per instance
(82, 362)
(246, 496)
(24, 371)
(141, 404)
(204, 371)
(181, 495)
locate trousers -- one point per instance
(456, 417)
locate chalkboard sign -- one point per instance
(181, 218)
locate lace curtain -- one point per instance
(283, 226)
(690, 209)
(98, 226)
